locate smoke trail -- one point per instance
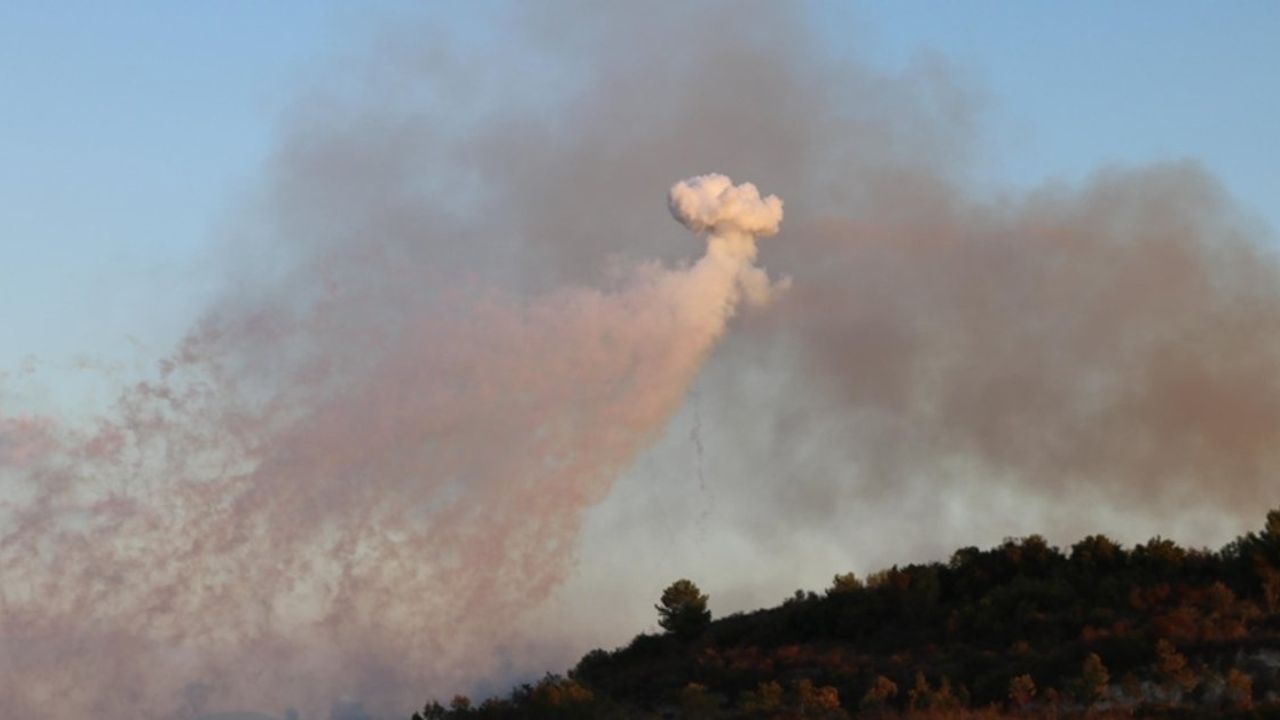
(695, 438)
(359, 527)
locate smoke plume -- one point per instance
(355, 526)
(453, 321)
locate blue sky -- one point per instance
(129, 131)
(1071, 86)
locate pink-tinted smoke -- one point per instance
(367, 525)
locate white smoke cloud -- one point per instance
(713, 203)
(734, 216)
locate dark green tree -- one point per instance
(432, 711)
(683, 610)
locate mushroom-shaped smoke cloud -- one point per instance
(733, 216)
(712, 202)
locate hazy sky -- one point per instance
(130, 130)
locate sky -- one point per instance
(1078, 86)
(131, 131)
(1007, 297)
(127, 134)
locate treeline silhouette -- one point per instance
(1023, 629)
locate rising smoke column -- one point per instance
(236, 537)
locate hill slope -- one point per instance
(1022, 629)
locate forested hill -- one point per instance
(1023, 629)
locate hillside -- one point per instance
(1022, 629)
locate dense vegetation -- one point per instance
(1022, 629)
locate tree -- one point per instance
(558, 697)
(1093, 679)
(816, 701)
(697, 702)
(1022, 689)
(432, 711)
(1270, 578)
(844, 583)
(920, 695)
(1094, 553)
(923, 697)
(1173, 669)
(878, 696)
(683, 610)
(765, 699)
(1240, 688)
